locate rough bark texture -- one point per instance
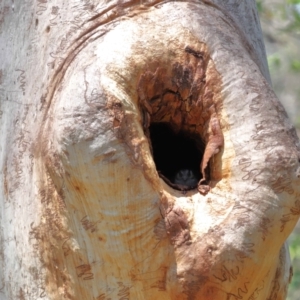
(84, 212)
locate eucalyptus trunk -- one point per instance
(105, 107)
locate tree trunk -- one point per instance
(110, 112)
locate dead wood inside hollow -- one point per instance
(181, 106)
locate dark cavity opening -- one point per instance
(177, 155)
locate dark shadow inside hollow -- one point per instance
(175, 152)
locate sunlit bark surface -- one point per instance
(86, 210)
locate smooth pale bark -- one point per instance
(84, 214)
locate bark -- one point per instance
(85, 214)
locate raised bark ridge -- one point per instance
(180, 83)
